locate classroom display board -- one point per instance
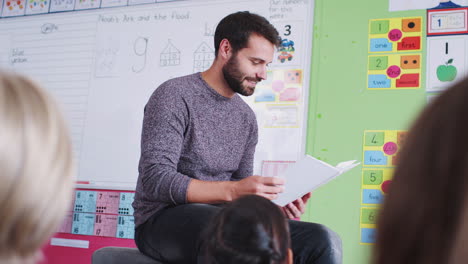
(368, 84)
(101, 213)
(102, 59)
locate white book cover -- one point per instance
(308, 174)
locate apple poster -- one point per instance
(446, 60)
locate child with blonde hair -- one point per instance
(36, 169)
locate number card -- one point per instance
(368, 225)
(381, 147)
(125, 227)
(447, 21)
(395, 35)
(398, 71)
(375, 183)
(107, 202)
(125, 203)
(291, 49)
(105, 225)
(85, 201)
(83, 223)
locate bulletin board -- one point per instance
(361, 102)
(102, 59)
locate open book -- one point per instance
(306, 175)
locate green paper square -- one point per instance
(369, 216)
(378, 62)
(379, 26)
(374, 139)
(373, 177)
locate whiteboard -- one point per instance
(102, 64)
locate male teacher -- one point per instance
(197, 150)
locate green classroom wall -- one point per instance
(341, 108)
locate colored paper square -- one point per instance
(378, 81)
(380, 44)
(105, 225)
(372, 177)
(368, 235)
(408, 80)
(107, 202)
(411, 24)
(410, 62)
(125, 227)
(293, 76)
(290, 95)
(372, 196)
(85, 201)
(375, 138)
(369, 216)
(83, 224)
(374, 158)
(410, 43)
(379, 26)
(125, 204)
(265, 95)
(378, 62)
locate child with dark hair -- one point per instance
(250, 230)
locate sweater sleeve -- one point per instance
(165, 120)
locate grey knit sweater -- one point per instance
(191, 132)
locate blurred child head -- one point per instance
(250, 230)
(36, 169)
(424, 218)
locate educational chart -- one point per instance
(278, 98)
(102, 65)
(380, 155)
(101, 213)
(395, 53)
(384, 70)
(447, 47)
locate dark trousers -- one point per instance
(172, 236)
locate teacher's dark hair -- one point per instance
(238, 27)
(250, 230)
